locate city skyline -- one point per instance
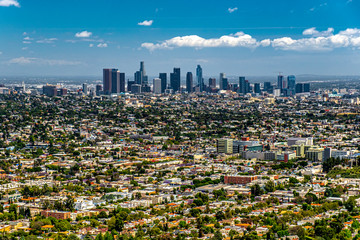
(236, 37)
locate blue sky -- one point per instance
(258, 37)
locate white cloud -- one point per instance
(320, 41)
(83, 34)
(26, 42)
(231, 10)
(47, 40)
(41, 61)
(146, 23)
(239, 39)
(8, 3)
(313, 40)
(91, 45)
(313, 32)
(102, 45)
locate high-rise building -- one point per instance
(129, 85)
(224, 84)
(247, 87)
(222, 76)
(306, 87)
(302, 87)
(111, 80)
(299, 88)
(98, 90)
(85, 88)
(163, 77)
(199, 77)
(137, 77)
(242, 85)
(157, 86)
(107, 74)
(212, 83)
(268, 87)
(189, 82)
(280, 82)
(257, 88)
(175, 80)
(291, 81)
(115, 82)
(122, 82)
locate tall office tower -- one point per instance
(110, 80)
(142, 69)
(199, 77)
(291, 81)
(163, 77)
(225, 84)
(280, 82)
(257, 88)
(222, 76)
(122, 82)
(98, 90)
(306, 87)
(212, 83)
(85, 88)
(130, 83)
(157, 86)
(299, 88)
(115, 82)
(144, 81)
(242, 85)
(137, 77)
(267, 87)
(247, 87)
(175, 80)
(189, 82)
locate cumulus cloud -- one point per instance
(83, 34)
(146, 23)
(313, 40)
(239, 39)
(313, 32)
(8, 3)
(320, 41)
(91, 45)
(231, 10)
(41, 61)
(102, 45)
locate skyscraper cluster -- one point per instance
(114, 83)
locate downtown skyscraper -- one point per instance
(175, 80)
(189, 82)
(113, 81)
(199, 77)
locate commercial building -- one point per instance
(239, 179)
(189, 82)
(175, 80)
(157, 86)
(163, 77)
(225, 146)
(199, 77)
